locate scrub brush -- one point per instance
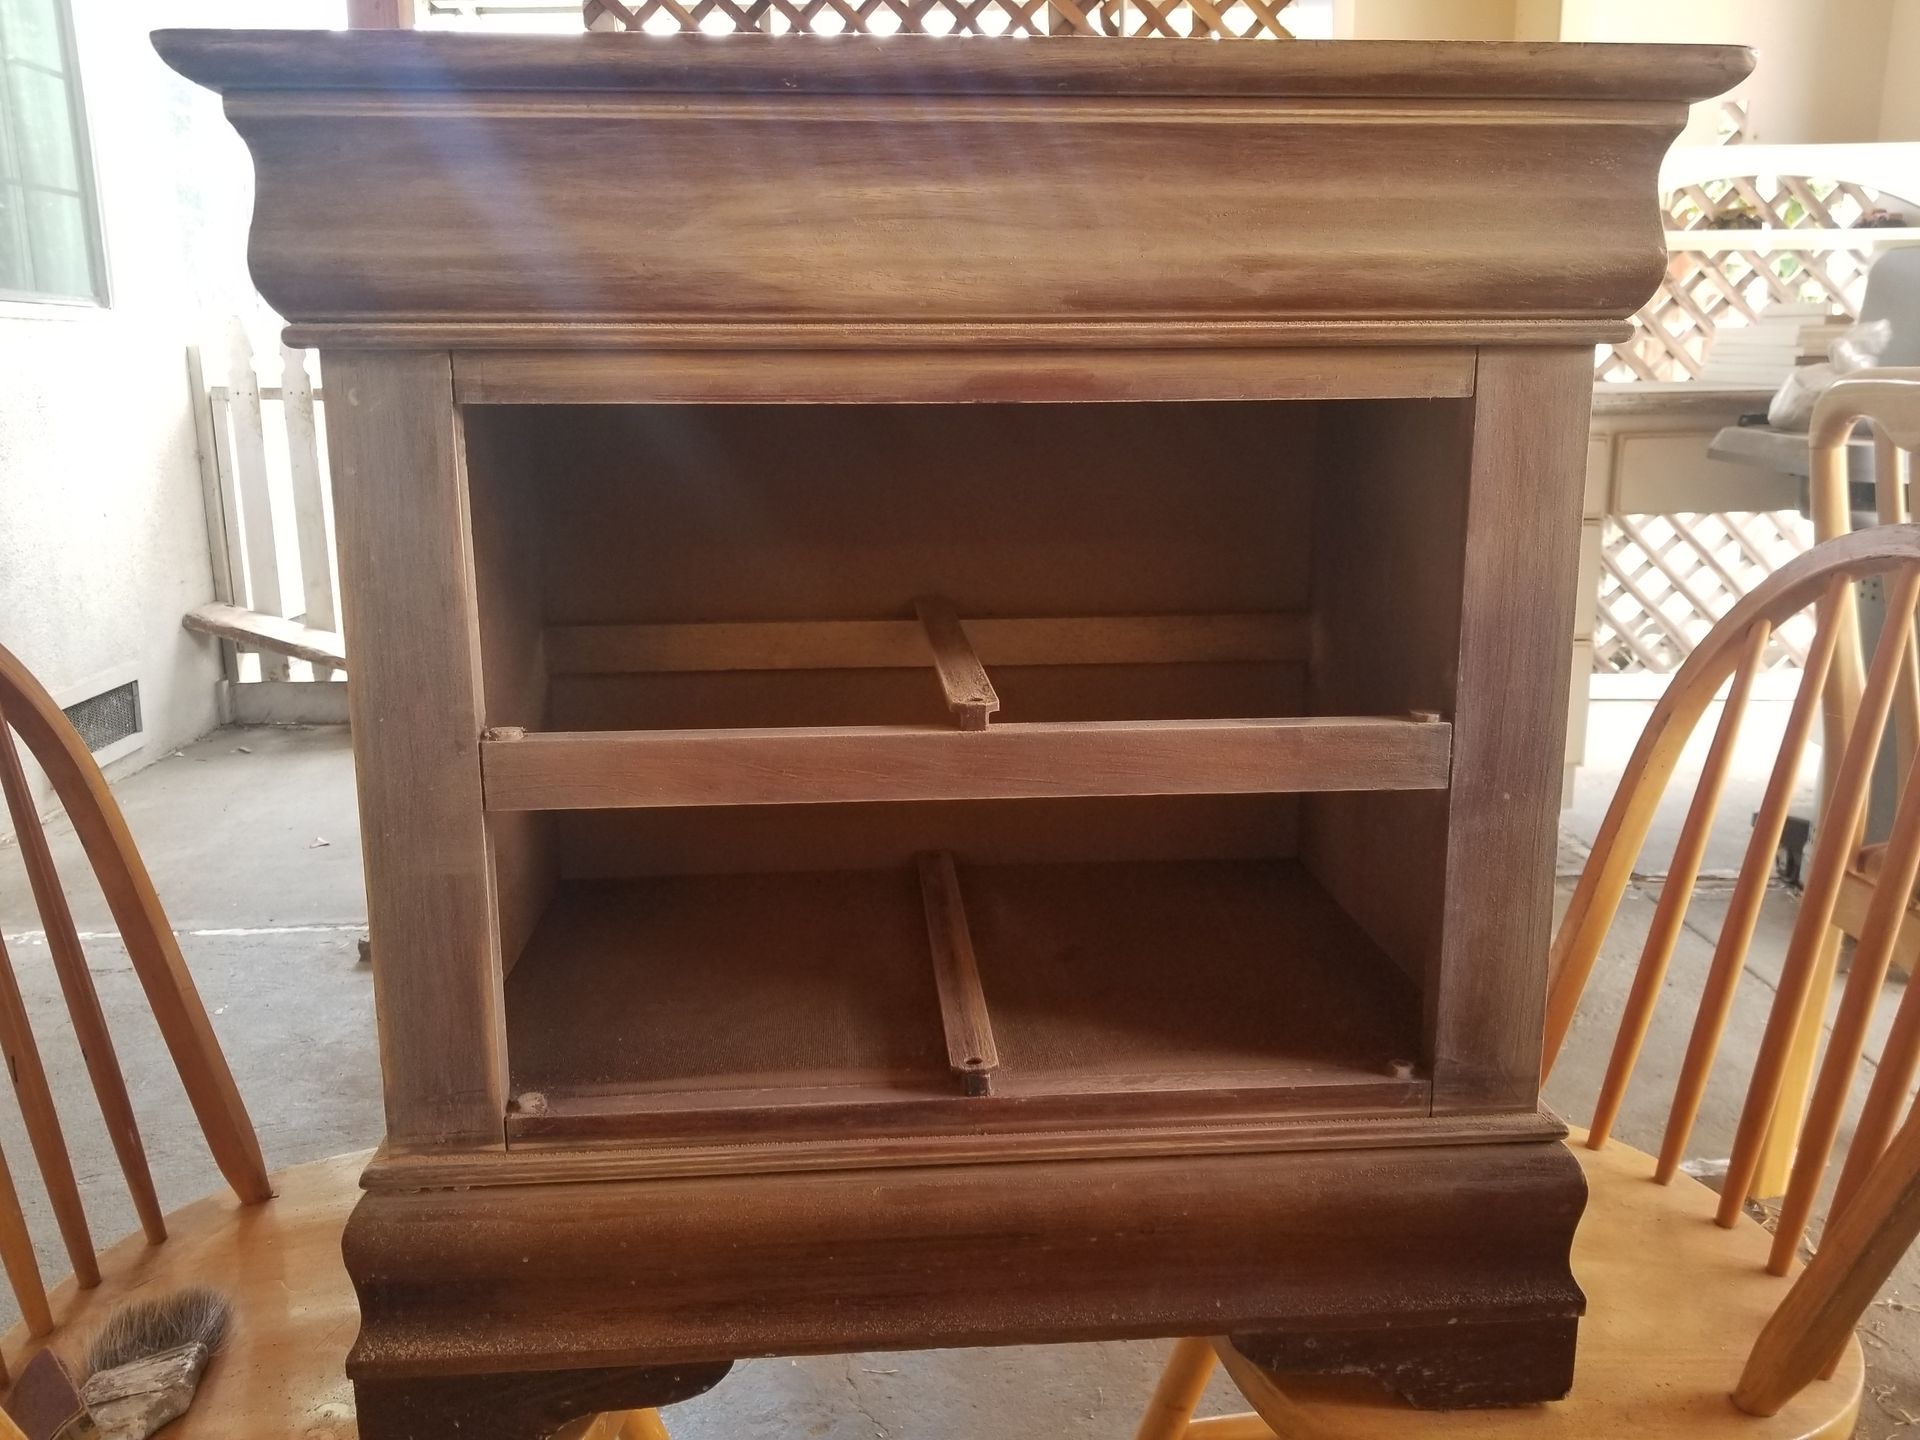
(145, 1364)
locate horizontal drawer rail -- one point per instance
(597, 770)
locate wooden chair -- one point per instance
(272, 1244)
(1889, 402)
(1689, 1300)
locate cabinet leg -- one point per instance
(1469, 1366)
(533, 1406)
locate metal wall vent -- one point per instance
(107, 718)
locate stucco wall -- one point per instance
(102, 530)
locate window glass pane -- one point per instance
(9, 152)
(16, 262)
(43, 128)
(57, 230)
(32, 30)
(49, 236)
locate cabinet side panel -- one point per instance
(508, 554)
(1531, 415)
(1389, 521)
(407, 581)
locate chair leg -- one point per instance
(616, 1425)
(1283, 1417)
(1231, 1427)
(1182, 1383)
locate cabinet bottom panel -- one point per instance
(810, 1005)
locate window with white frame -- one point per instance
(49, 220)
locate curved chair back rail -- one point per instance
(275, 1307)
(1731, 656)
(1888, 402)
(1803, 1330)
(27, 711)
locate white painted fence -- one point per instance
(269, 536)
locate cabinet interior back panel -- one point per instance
(691, 513)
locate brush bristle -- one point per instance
(151, 1327)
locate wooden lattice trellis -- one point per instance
(1665, 579)
(1227, 19)
(1711, 289)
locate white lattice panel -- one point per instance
(1224, 19)
(1710, 290)
(1665, 579)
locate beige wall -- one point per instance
(1424, 19)
(1900, 95)
(1822, 69)
(1536, 19)
(1829, 71)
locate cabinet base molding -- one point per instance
(1442, 1269)
(1465, 1365)
(532, 1406)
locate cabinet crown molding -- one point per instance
(440, 191)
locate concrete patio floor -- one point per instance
(253, 842)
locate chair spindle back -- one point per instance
(1733, 654)
(28, 712)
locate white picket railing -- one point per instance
(269, 537)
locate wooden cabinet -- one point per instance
(958, 681)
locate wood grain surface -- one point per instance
(236, 61)
(689, 1270)
(802, 765)
(634, 519)
(1290, 167)
(418, 705)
